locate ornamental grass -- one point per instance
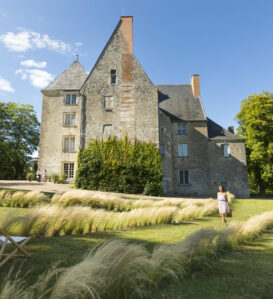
(22, 199)
(120, 269)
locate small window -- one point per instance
(69, 144)
(107, 131)
(69, 170)
(108, 103)
(182, 150)
(162, 149)
(69, 119)
(182, 129)
(71, 99)
(184, 177)
(162, 131)
(224, 150)
(113, 76)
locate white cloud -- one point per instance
(78, 44)
(19, 42)
(5, 85)
(37, 78)
(25, 40)
(33, 63)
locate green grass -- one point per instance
(247, 272)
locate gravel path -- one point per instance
(50, 187)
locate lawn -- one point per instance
(247, 272)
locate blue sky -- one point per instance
(229, 43)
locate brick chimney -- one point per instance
(231, 129)
(195, 83)
(126, 28)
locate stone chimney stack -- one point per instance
(126, 28)
(231, 129)
(195, 83)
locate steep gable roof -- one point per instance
(71, 79)
(215, 131)
(178, 102)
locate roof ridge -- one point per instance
(81, 69)
(103, 51)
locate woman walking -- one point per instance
(222, 203)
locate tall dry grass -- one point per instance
(58, 220)
(103, 200)
(55, 220)
(119, 269)
(22, 199)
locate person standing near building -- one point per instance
(222, 203)
(38, 175)
(44, 176)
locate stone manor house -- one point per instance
(117, 98)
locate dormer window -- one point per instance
(113, 78)
(71, 99)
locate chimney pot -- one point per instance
(231, 129)
(195, 83)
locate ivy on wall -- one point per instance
(120, 166)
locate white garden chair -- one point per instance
(8, 240)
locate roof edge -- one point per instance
(103, 51)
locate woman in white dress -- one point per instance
(222, 203)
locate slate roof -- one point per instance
(215, 131)
(71, 79)
(178, 102)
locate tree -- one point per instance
(19, 137)
(256, 126)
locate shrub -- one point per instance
(119, 166)
(54, 178)
(30, 176)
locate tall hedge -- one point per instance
(120, 166)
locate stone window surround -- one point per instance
(162, 131)
(187, 150)
(111, 75)
(189, 178)
(63, 141)
(68, 162)
(70, 92)
(64, 116)
(184, 131)
(222, 150)
(105, 103)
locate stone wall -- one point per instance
(135, 100)
(51, 154)
(196, 162)
(230, 171)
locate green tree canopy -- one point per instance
(19, 137)
(256, 126)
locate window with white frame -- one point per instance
(108, 103)
(69, 119)
(69, 144)
(113, 76)
(184, 177)
(162, 149)
(69, 170)
(182, 129)
(71, 99)
(182, 150)
(224, 150)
